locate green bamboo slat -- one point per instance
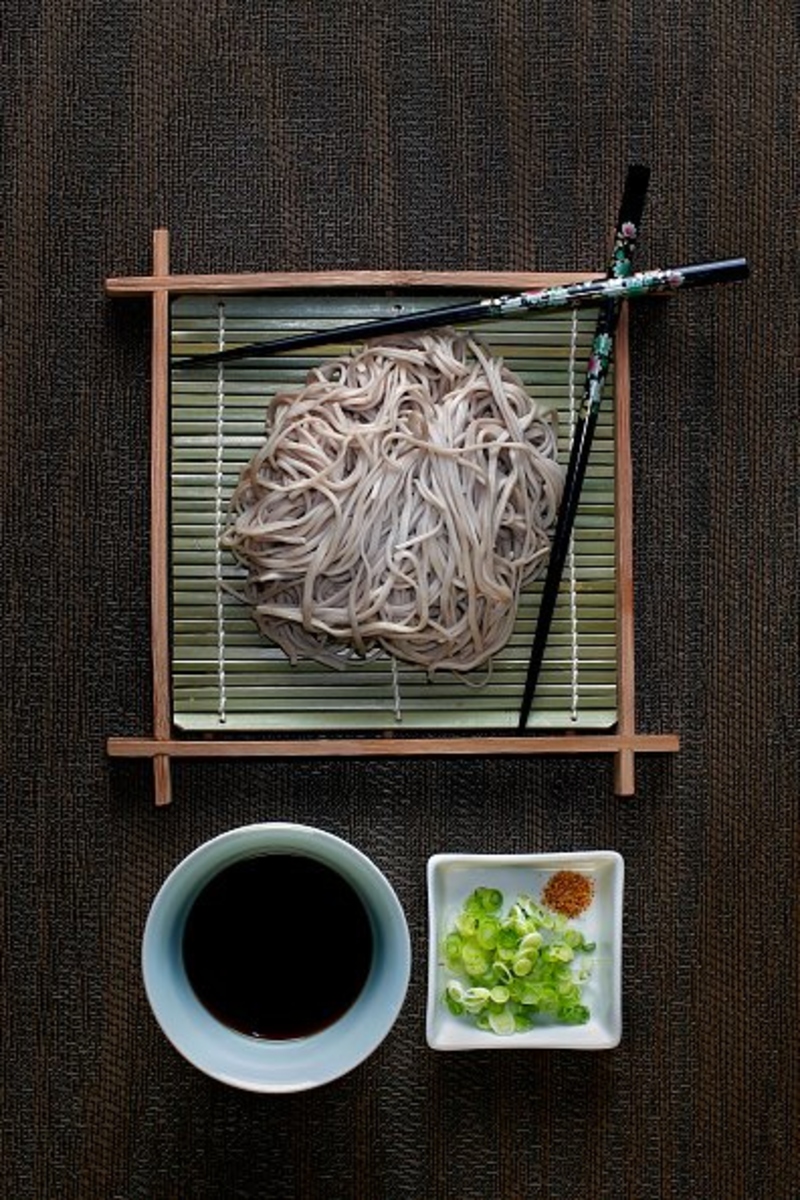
(592, 720)
(263, 691)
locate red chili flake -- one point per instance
(568, 893)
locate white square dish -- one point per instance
(452, 878)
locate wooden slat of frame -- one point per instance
(624, 775)
(159, 521)
(161, 280)
(392, 747)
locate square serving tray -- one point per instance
(220, 688)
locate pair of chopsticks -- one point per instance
(621, 283)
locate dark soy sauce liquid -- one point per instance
(277, 946)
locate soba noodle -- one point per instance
(399, 502)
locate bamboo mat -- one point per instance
(227, 677)
(468, 136)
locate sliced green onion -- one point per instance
(502, 1022)
(474, 960)
(511, 973)
(490, 898)
(487, 932)
(475, 999)
(452, 945)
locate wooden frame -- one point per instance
(163, 745)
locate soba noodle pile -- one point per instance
(400, 501)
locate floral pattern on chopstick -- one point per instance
(600, 358)
(596, 371)
(623, 250)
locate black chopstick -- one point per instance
(628, 220)
(644, 283)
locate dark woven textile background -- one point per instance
(333, 133)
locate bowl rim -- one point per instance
(273, 1066)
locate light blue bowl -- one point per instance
(261, 1065)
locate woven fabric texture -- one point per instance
(333, 134)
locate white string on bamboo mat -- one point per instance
(571, 570)
(398, 708)
(219, 519)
